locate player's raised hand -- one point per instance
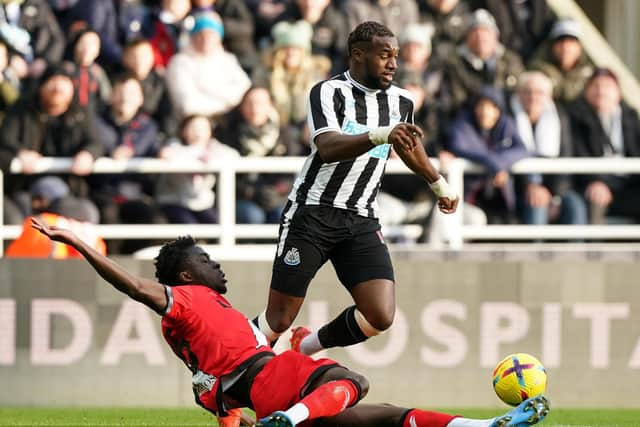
(405, 136)
(53, 232)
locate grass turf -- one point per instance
(197, 417)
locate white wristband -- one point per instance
(380, 135)
(441, 188)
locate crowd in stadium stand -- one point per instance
(195, 80)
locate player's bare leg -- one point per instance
(372, 314)
(280, 313)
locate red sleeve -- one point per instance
(178, 302)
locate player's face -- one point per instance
(203, 270)
(381, 62)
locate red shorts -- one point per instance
(282, 380)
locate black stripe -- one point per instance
(340, 76)
(319, 120)
(338, 105)
(337, 178)
(406, 110)
(372, 197)
(383, 109)
(361, 105)
(362, 182)
(309, 178)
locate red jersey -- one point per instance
(211, 337)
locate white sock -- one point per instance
(468, 422)
(311, 344)
(297, 413)
(264, 327)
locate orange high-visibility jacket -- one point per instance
(33, 244)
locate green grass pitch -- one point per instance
(196, 417)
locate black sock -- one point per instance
(342, 331)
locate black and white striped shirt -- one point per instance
(343, 105)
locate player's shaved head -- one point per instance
(170, 261)
(365, 32)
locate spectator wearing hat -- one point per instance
(563, 59)
(482, 60)
(524, 24)
(329, 26)
(50, 123)
(52, 203)
(290, 71)
(485, 134)
(239, 28)
(603, 125)
(204, 79)
(450, 22)
(545, 130)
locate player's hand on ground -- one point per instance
(447, 205)
(405, 136)
(53, 232)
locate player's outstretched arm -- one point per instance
(418, 161)
(148, 292)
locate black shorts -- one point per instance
(311, 235)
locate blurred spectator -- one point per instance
(189, 198)
(449, 20)
(605, 126)
(425, 80)
(31, 29)
(9, 82)
(205, 79)
(395, 14)
(49, 123)
(137, 58)
(254, 130)
(167, 28)
(546, 132)
(524, 24)
(132, 16)
(266, 13)
(51, 202)
(485, 134)
(238, 25)
(564, 61)
(91, 84)
(482, 60)
(101, 17)
(126, 132)
(329, 36)
(290, 73)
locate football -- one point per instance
(518, 377)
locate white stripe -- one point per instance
(285, 227)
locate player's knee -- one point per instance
(376, 322)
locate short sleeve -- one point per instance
(322, 109)
(178, 302)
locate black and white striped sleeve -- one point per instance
(323, 115)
